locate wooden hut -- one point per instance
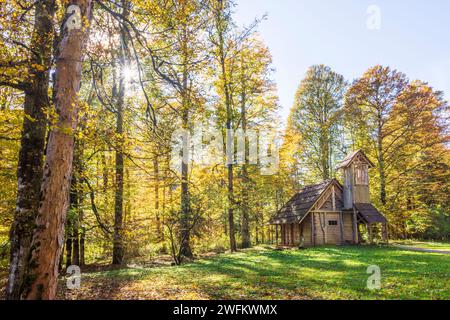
(331, 213)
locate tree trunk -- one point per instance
(186, 250)
(381, 169)
(82, 250)
(80, 195)
(75, 223)
(186, 213)
(220, 24)
(157, 216)
(71, 223)
(118, 249)
(118, 252)
(69, 247)
(30, 166)
(325, 154)
(42, 273)
(245, 230)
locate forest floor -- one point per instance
(265, 273)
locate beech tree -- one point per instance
(220, 37)
(35, 87)
(316, 117)
(371, 100)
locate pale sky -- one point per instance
(414, 37)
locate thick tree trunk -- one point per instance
(48, 237)
(30, 166)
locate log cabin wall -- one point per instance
(306, 224)
(348, 226)
(291, 234)
(361, 193)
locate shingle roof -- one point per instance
(300, 204)
(348, 159)
(369, 213)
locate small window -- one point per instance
(332, 223)
(361, 175)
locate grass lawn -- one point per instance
(263, 273)
(445, 246)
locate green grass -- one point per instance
(445, 246)
(319, 273)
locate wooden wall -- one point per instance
(348, 188)
(333, 233)
(348, 227)
(327, 209)
(354, 193)
(307, 231)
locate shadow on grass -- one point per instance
(319, 273)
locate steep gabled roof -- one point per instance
(369, 213)
(301, 203)
(348, 159)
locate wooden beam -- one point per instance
(300, 234)
(313, 230)
(369, 228)
(276, 235)
(292, 234)
(322, 199)
(341, 226)
(333, 198)
(355, 227)
(384, 232)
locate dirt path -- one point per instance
(420, 249)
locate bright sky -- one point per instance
(414, 37)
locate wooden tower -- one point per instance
(356, 179)
(356, 195)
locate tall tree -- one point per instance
(119, 98)
(369, 104)
(316, 117)
(30, 167)
(221, 11)
(255, 92)
(182, 25)
(46, 246)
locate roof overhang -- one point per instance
(349, 159)
(369, 213)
